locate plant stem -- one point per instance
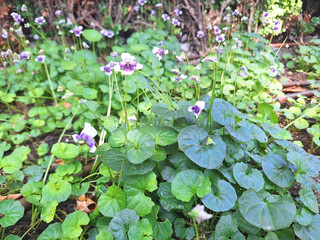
(196, 229)
(50, 83)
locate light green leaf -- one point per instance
(52, 232)
(310, 232)
(162, 136)
(12, 211)
(65, 150)
(309, 199)
(104, 235)
(162, 230)
(71, 225)
(248, 178)
(111, 202)
(59, 191)
(48, 211)
(140, 230)
(91, 35)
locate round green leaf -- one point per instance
(121, 222)
(112, 201)
(65, 150)
(104, 235)
(91, 35)
(140, 146)
(162, 136)
(309, 199)
(204, 150)
(12, 237)
(222, 198)
(52, 232)
(71, 225)
(227, 228)
(304, 216)
(59, 191)
(48, 211)
(140, 230)
(277, 170)
(248, 178)
(310, 232)
(266, 211)
(190, 182)
(223, 112)
(12, 211)
(301, 123)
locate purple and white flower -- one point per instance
(243, 72)
(159, 52)
(128, 64)
(136, 8)
(227, 18)
(67, 50)
(153, 12)
(195, 78)
(210, 59)
(69, 23)
(41, 58)
(220, 38)
(197, 108)
(107, 33)
(17, 18)
(216, 30)
(175, 22)
(225, 29)
(220, 50)
(165, 17)
(25, 55)
(26, 25)
(180, 76)
(265, 14)
(114, 54)
(40, 20)
(181, 58)
(236, 12)
(209, 27)
(142, 2)
(62, 21)
(178, 12)
(87, 134)
(85, 45)
(24, 8)
(58, 12)
(158, 5)
(36, 37)
(107, 68)
(244, 18)
(19, 31)
(199, 214)
(77, 30)
(200, 34)
(4, 33)
(273, 70)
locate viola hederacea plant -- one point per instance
(147, 124)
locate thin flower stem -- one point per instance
(115, 77)
(50, 83)
(196, 228)
(121, 171)
(59, 140)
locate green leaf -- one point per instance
(277, 170)
(181, 231)
(135, 187)
(71, 225)
(164, 111)
(43, 149)
(52, 232)
(248, 178)
(168, 201)
(271, 236)
(140, 146)
(59, 191)
(48, 211)
(162, 136)
(266, 211)
(204, 150)
(12, 237)
(222, 198)
(13, 162)
(267, 112)
(188, 183)
(310, 232)
(304, 216)
(244, 225)
(91, 35)
(301, 123)
(65, 150)
(110, 123)
(308, 198)
(112, 201)
(104, 235)
(256, 132)
(223, 112)
(140, 230)
(275, 131)
(35, 173)
(162, 230)
(226, 228)
(12, 211)
(121, 222)
(137, 47)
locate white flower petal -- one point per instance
(200, 104)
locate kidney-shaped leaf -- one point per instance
(310, 232)
(92, 35)
(120, 223)
(112, 201)
(190, 182)
(248, 178)
(52, 232)
(277, 170)
(162, 136)
(309, 199)
(65, 150)
(12, 211)
(223, 112)
(222, 198)
(71, 226)
(206, 151)
(59, 191)
(266, 211)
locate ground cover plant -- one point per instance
(143, 143)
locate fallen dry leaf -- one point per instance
(11, 196)
(85, 204)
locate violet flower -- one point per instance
(165, 17)
(69, 23)
(17, 18)
(128, 64)
(210, 59)
(19, 31)
(200, 214)
(175, 22)
(67, 50)
(197, 108)
(265, 14)
(178, 12)
(153, 12)
(4, 33)
(114, 54)
(87, 134)
(142, 2)
(77, 30)
(136, 8)
(200, 34)
(40, 58)
(216, 30)
(107, 68)
(85, 45)
(244, 18)
(236, 12)
(158, 5)
(227, 18)
(40, 20)
(159, 52)
(25, 55)
(273, 70)
(24, 8)
(243, 72)
(220, 38)
(58, 12)
(36, 37)
(195, 78)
